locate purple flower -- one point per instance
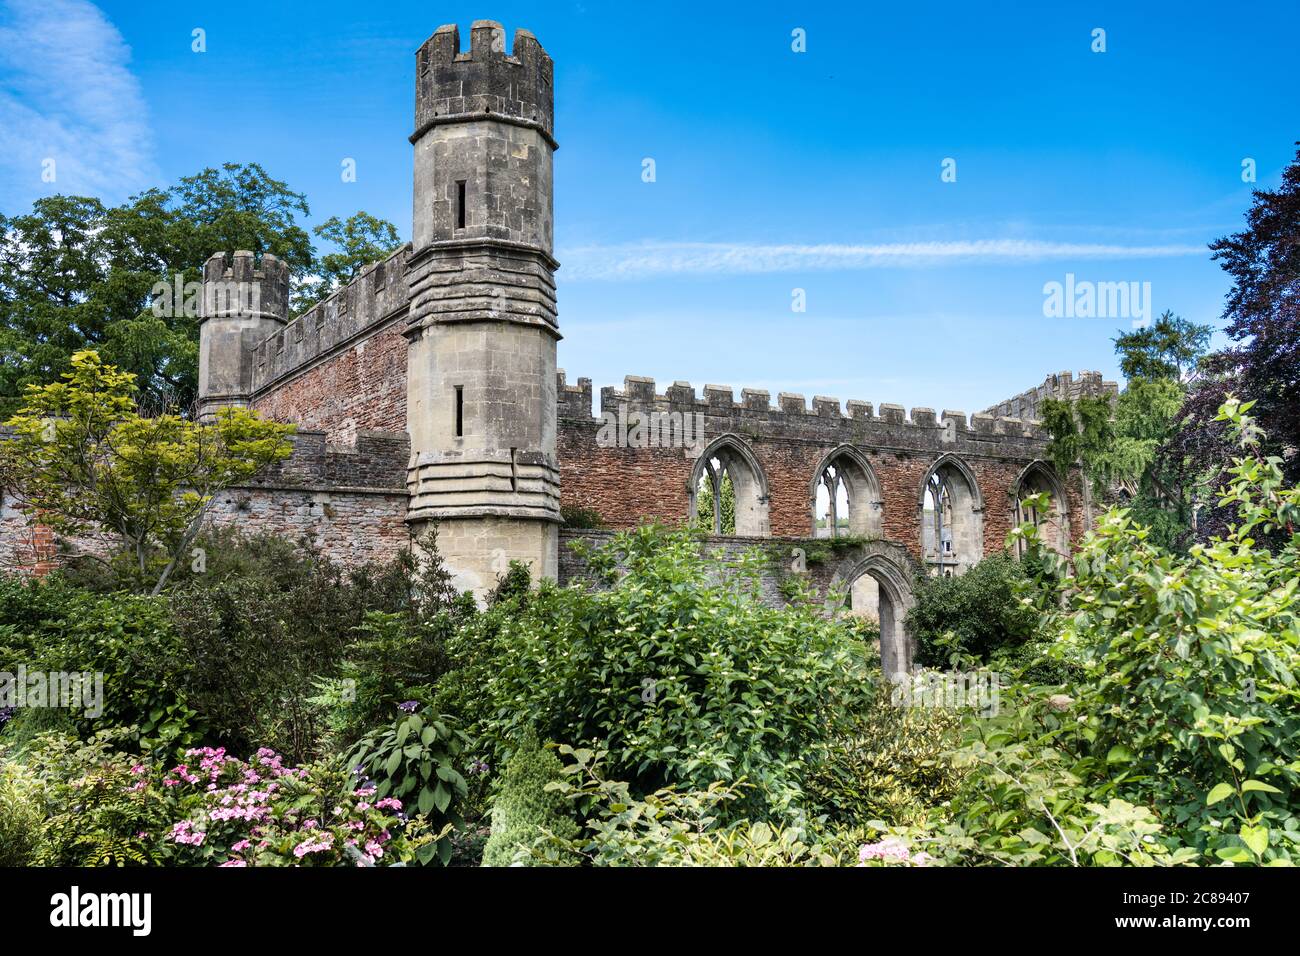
(409, 706)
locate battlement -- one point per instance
(1062, 386)
(378, 293)
(485, 82)
(239, 285)
(792, 411)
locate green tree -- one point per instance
(1119, 445)
(1169, 348)
(83, 457)
(76, 274)
(359, 240)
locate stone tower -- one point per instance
(481, 384)
(243, 305)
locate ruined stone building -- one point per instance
(426, 393)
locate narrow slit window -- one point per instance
(460, 411)
(460, 204)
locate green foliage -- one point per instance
(1190, 664)
(678, 668)
(576, 516)
(665, 828)
(1168, 348)
(1178, 742)
(76, 274)
(892, 764)
(85, 458)
(415, 760)
(265, 623)
(359, 240)
(1121, 447)
(21, 817)
(524, 809)
(973, 615)
(95, 815)
(704, 506)
(129, 639)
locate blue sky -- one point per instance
(775, 170)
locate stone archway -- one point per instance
(881, 572)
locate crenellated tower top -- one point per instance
(485, 82)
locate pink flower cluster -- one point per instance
(243, 806)
(892, 849)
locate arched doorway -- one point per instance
(877, 582)
(728, 490)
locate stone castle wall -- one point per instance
(1062, 386)
(341, 367)
(790, 442)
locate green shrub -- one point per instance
(666, 828)
(679, 669)
(94, 813)
(1180, 741)
(129, 639)
(524, 808)
(415, 761)
(893, 765)
(576, 516)
(973, 615)
(21, 820)
(268, 639)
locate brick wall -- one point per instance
(357, 388)
(341, 366)
(627, 485)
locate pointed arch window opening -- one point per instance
(938, 508)
(716, 481)
(834, 503)
(1051, 524)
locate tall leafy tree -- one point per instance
(76, 274)
(1263, 363)
(82, 457)
(1119, 445)
(358, 241)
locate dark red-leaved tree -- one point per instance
(1263, 364)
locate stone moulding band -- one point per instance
(484, 116)
(481, 242)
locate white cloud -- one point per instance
(648, 259)
(67, 94)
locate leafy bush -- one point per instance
(524, 809)
(892, 765)
(972, 615)
(129, 639)
(21, 820)
(679, 669)
(262, 629)
(415, 761)
(576, 516)
(96, 812)
(665, 828)
(1180, 741)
